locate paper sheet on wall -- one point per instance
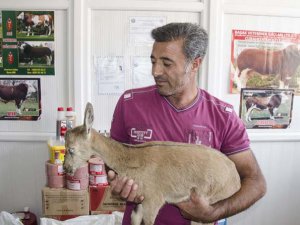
(110, 75)
(141, 71)
(140, 29)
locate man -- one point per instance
(175, 109)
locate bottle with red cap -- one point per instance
(61, 124)
(70, 118)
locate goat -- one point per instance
(165, 171)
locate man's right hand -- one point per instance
(124, 187)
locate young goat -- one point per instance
(164, 171)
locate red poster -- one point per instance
(262, 59)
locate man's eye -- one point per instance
(167, 64)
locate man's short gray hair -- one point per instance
(195, 38)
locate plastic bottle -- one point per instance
(71, 118)
(57, 158)
(61, 124)
(27, 213)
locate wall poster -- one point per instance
(262, 59)
(20, 99)
(27, 43)
(110, 74)
(141, 72)
(140, 29)
(266, 108)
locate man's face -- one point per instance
(170, 69)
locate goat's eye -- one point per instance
(71, 150)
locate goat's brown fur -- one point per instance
(164, 171)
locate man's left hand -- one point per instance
(197, 209)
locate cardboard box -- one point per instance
(61, 201)
(103, 212)
(100, 212)
(62, 217)
(101, 199)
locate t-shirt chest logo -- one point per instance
(199, 135)
(141, 135)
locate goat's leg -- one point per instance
(137, 215)
(151, 209)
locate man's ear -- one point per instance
(196, 64)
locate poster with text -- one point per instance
(262, 59)
(110, 74)
(20, 99)
(27, 43)
(266, 108)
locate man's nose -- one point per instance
(156, 70)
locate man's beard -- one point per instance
(168, 90)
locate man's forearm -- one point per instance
(252, 189)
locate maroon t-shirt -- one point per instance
(143, 115)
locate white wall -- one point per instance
(278, 161)
(23, 147)
(81, 30)
(276, 150)
(22, 175)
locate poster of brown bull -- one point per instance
(27, 43)
(20, 99)
(262, 59)
(266, 108)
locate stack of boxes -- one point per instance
(85, 193)
(62, 203)
(101, 200)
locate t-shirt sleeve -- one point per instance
(118, 129)
(235, 137)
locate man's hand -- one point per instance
(253, 187)
(197, 209)
(124, 187)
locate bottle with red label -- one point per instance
(61, 124)
(70, 118)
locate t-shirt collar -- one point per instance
(187, 107)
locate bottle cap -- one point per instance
(69, 109)
(60, 109)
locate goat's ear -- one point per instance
(88, 117)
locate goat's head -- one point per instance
(78, 142)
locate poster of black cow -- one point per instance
(27, 43)
(266, 108)
(20, 99)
